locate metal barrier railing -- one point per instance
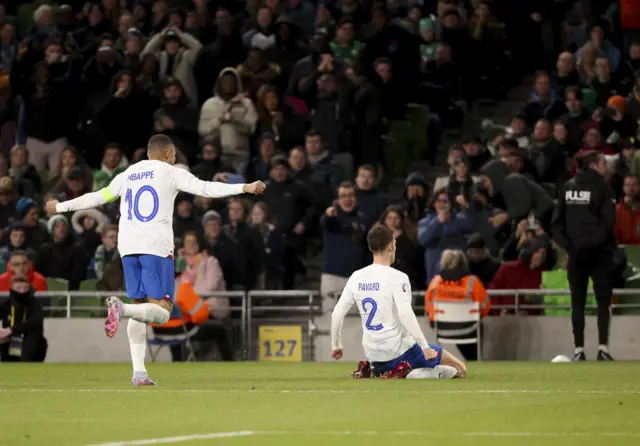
(254, 305)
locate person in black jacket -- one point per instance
(583, 224)
(22, 319)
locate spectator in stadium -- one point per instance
(203, 272)
(604, 47)
(442, 229)
(314, 180)
(370, 203)
(475, 152)
(219, 245)
(246, 240)
(22, 333)
(575, 118)
(69, 158)
(210, 162)
(64, 257)
(343, 235)
(523, 274)
(88, 225)
(295, 208)
(593, 141)
(415, 197)
(23, 173)
(259, 167)
(231, 116)
(278, 118)
(321, 160)
(345, 46)
(543, 103)
(74, 185)
(455, 283)
(16, 242)
(480, 262)
(481, 210)
(628, 213)
(107, 263)
(566, 74)
(409, 255)
(261, 35)
(7, 203)
(126, 118)
(35, 231)
(20, 266)
(184, 219)
(604, 84)
(520, 195)
(112, 164)
(177, 58)
(257, 71)
(626, 164)
(617, 125)
(45, 107)
(178, 117)
(545, 153)
(274, 244)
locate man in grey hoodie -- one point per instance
(516, 194)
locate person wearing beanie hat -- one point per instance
(177, 52)
(27, 212)
(64, 257)
(617, 124)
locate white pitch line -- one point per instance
(180, 439)
(214, 435)
(335, 391)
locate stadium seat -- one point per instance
(87, 306)
(156, 342)
(58, 304)
(458, 312)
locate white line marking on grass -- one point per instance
(180, 439)
(214, 435)
(334, 391)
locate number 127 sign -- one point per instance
(280, 343)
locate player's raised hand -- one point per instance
(50, 207)
(430, 353)
(337, 354)
(256, 188)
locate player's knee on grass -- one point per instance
(450, 360)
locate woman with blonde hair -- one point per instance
(455, 284)
(586, 65)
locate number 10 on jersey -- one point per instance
(133, 204)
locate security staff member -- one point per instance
(583, 224)
(22, 325)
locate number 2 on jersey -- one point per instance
(372, 313)
(133, 204)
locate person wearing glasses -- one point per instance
(20, 266)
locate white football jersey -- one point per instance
(148, 191)
(383, 297)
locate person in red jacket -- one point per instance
(523, 274)
(20, 266)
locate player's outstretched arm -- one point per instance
(187, 182)
(87, 201)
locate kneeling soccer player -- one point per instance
(392, 339)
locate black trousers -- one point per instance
(599, 267)
(34, 349)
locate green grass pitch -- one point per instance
(501, 403)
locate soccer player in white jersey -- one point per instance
(392, 339)
(145, 241)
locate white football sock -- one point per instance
(578, 350)
(603, 348)
(438, 372)
(146, 313)
(137, 332)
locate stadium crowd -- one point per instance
(313, 98)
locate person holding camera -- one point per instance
(583, 224)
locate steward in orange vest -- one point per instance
(188, 304)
